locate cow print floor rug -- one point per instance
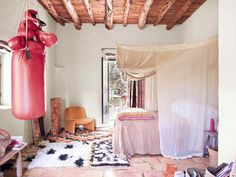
(62, 154)
(102, 155)
(78, 153)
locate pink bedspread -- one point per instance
(136, 137)
(135, 116)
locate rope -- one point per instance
(22, 11)
(36, 7)
(26, 33)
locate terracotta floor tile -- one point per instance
(122, 173)
(202, 160)
(64, 172)
(37, 172)
(181, 167)
(187, 161)
(159, 167)
(136, 159)
(152, 159)
(155, 163)
(83, 173)
(152, 173)
(200, 165)
(167, 160)
(141, 166)
(51, 173)
(185, 166)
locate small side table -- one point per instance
(9, 154)
(211, 140)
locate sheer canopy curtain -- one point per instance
(185, 96)
(181, 103)
(151, 93)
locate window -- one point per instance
(5, 77)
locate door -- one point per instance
(114, 90)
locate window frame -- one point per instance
(4, 50)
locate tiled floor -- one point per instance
(141, 166)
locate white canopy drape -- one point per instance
(136, 62)
(186, 86)
(151, 93)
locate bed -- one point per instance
(135, 136)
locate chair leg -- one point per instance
(90, 126)
(70, 126)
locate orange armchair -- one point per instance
(76, 115)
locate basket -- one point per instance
(213, 156)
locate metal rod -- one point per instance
(107, 49)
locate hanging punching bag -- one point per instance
(28, 58)
(28, 82)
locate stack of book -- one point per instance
(17, 142)
(223, 170)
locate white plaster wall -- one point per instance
(78, 61)
(202, 24)
(227, 80)
(49, 66)
(9, 15)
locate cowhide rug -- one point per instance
(82, 150)
(62, 154)
(102, 155)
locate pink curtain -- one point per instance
(137, 94)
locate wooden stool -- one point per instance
(9, 154)
(212, 139)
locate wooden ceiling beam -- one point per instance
(194, 7)
(164, 10)
(126, 12)
(109, 15)
(144, 14)
(179, 14)
(51, 10)
(89, 10)
(71, 10)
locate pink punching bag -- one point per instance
(28, 83)
(28, 58)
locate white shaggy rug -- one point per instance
(71, 154)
